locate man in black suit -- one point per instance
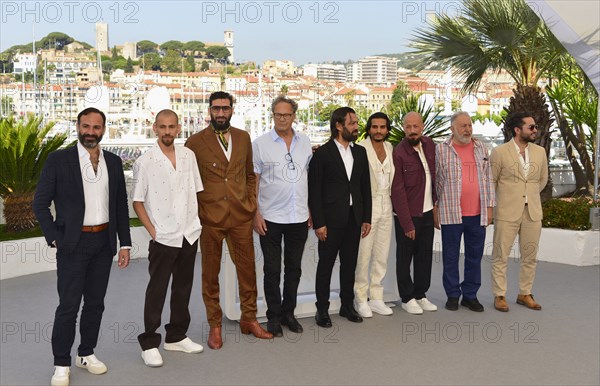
(87, 187)
(339, 197)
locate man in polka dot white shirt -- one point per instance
(166, 180)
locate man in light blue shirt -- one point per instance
(281, 159)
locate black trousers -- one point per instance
(345, 241)
(82, 272)
(164, 262)
(294, 238)
(418, 251)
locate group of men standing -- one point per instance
(221, 186)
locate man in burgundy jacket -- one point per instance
(413, 196)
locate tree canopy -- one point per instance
(174, 45)
(193, 46)
(218, 52)
(146, 46)
(56, 40)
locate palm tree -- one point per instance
(575, 105)
(23, 151)
(496, 35)
(435, 126)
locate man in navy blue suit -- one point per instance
(87, 187)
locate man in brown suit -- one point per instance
(227, 207)
(520, 172)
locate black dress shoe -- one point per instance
(292, 324)
(350, 313)
(275, 329)
(323, 319)
(452, 304)
(472, 304)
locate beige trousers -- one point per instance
(505, 233)
(373, 252)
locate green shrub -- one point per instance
(567, 213)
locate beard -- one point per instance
(167, 140)
(378, 138)
(220, 126)
(89, 141)
(414, 140)
(463, 139)
(528, 138)
(348, 135)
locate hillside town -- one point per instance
(71, 77)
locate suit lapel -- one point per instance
(368, 145)
(75, 171)
(335, 152)
(515, 157)
(211, 142)
(111, 178)
(355, 164)
(236, 154)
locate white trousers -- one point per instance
(373, 252)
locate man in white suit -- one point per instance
(520, 172)
(374, 248)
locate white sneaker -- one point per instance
(364, 310)
(412, 307)
(379, 307)
(186, 345)
(426, 305)
(91, 363)
(152, 357)
(61, 376)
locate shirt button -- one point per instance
(214, 165)
(226, 179)
(225, 198)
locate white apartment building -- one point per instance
(24, 63)
(326, 71)
(373, 70)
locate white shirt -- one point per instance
(384, 175)
(229, 146)
(347, 158)
(95, 188)
(283, 189)
(428, 199)
(168, 194)
(523, 161)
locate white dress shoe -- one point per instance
(412, 307)
(186, 345)
(61, 376)
(426, 305)
(379, 307)
(152, 357)
(364, 310)
(91, 363)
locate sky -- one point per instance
(300, 31)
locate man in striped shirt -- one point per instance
(465, 203)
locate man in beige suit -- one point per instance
(227, 207)
(374, 248)
(520, 172)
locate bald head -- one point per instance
(166, 112)
(166, 127)
(412, 116)
(413, 127)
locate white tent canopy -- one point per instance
(576, 24)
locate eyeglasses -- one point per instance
(533, 127)
(284, 116)
(216, 109)
(290, 164)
